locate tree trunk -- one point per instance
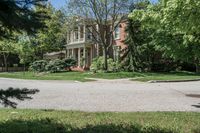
(24, 68)
(5, 62)
(105, 60)
(197, 67)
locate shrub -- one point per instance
(98, 65)
(69, 62)
(55, 66)
(39, 66)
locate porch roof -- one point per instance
(79, 45)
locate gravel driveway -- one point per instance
(112, 95)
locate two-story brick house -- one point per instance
(82, 47)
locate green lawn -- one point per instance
(44, 121)
(168, 76)
(80, 76)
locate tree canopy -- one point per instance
(53, 38)
(104, 14)
(177, 28)
(20, 15)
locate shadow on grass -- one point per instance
(50, 126)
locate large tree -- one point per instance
(20, 15)
(7, 47)
(102, 18)
(53, 38)
(140, 51)
(25, 50)
(177, 28)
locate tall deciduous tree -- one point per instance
(20, 15)
(7, 47)
(104, 14)
(177, 28)
(25, 50)
(53, 38)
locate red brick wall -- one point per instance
(120, 42)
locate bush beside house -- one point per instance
(98, 65)
(52, 66)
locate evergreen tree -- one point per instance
(20, 15)
(140, 51)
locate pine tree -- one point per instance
(20, 15)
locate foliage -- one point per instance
(39, 66)
(55, 66)
(141, 51)
(52, 66)
(19, 94)
(53, 38)
(25, 50)
(7, 47)
(20, 16)
(104, 14)
(69, 62)
(176, 38)
(98, 65)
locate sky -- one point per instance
(60, 3)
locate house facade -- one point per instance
(82, 47)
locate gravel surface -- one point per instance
(109, 95)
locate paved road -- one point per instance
(118, 95)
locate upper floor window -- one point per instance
(76, 33)
(81, 31)
(89, 34)
(117, 32)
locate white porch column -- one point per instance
(73, 53)
(72, 36)
(91, 54)
(79, 33)
(84, 33)
(79, 57)
(85, 56)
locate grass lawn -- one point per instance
(168, 76)
(80, 76)
(50, 121)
